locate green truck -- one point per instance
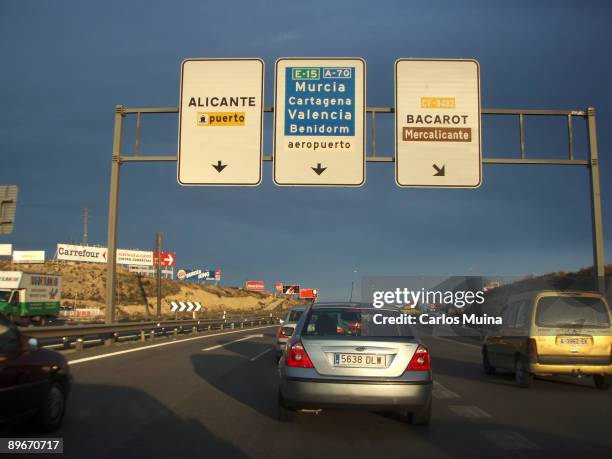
(30, 297)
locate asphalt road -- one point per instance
(180, 400)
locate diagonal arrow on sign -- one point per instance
(183, 306)
(174, 306)
(440, 171)
(198, 306)
(190, 306)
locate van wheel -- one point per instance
(283, 413)
(602, 382)
(486, 365)
(522, 377)
(52, 408)
(423, 416)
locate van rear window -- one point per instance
(572, 312)
(295, 315)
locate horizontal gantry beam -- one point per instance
(391, 159)
(375, 158)
(484, 111)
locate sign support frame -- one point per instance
(592, 163)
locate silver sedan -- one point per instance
(350, 356)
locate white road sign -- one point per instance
(221, 122)
(71, 252)
(28, 256)
(6, 249)
(319, 121)
(134, 257)
(437, 123)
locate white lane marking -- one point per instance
(469, 411)
(212, 348)
(441, 392)
(509, 440)
(252, 359)
(455, 341)
(143, 348)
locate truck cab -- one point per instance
(29, 297)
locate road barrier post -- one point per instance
(143, 337)
(78, 345)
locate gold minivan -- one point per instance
(552, 333)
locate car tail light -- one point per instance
(285, 332)
(298, 357)
(420, 360)
(532, 347)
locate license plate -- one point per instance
(360, 360)
(574, 340)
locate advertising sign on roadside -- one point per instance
(6, 250)
(291, 289)
(70, 252)
(309, 293)
(28, 256)
(255, 286)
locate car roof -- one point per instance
(340, 304)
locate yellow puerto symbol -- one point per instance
(221, 118)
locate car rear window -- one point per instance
(348, 323)
(572, 311)
(294, 316)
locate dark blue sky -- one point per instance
(66, 64)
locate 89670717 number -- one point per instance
(31, 445)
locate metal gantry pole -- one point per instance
(113, 204)
(597, 221)
(158, 265)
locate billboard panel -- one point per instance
(255, 286)
(70, 252)
(28, 256)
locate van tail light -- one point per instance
(532, 347)
(298, 357)
(285, 332)
(420, 360)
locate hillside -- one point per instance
(84, 285)
(581, 280)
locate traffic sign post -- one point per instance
(221, 122)
(319, 121)
(437, 123)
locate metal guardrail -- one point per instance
(77, 336)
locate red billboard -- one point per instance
(255, 286)
(167, 258)
(309, 293)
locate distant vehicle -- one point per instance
(553, 333)
(287, 326)
(368, 366)
(29, 297)
(34, 382)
